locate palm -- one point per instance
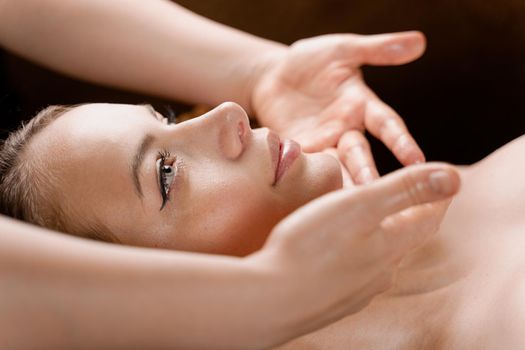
(315, 93)
(310, 93)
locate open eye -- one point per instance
(167, 174)
(166, 169)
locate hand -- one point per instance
(341, 250)
(314, 92)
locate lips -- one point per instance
(284, 153)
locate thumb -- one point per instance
(412, 227)
(409, 187)
(391, 49)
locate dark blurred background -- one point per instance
(461, 100)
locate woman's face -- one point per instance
(224, 185)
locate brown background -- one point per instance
(463, 99)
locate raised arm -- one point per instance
(152, 46)
(323, 262)
(311, 91)
(61, 292)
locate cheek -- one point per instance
(232, 221)
(234, 211)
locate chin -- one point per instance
(324, 174)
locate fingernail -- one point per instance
(441, 182)
(405, 47)
(396, 48)
(419, 160)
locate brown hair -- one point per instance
(26, 190)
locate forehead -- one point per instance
(101, 121)
(92, 127)
(87, 151)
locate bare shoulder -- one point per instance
(511, 315)
(505, 316)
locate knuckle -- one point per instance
(345, 44)
(365, 173)
(356, 100)
(391, 129)
(304, 43)
(384, 125)
(340, 46)
(414, 189)
(401, 142)
(353, 141)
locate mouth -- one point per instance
(284, 153)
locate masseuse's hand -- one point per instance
(314, 93)
(342, 249)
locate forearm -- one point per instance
(151, 46)
(71, 293)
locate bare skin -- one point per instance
(465, 289)
(312, 91)
(296, 283)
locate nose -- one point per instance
(232, 128)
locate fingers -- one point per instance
(408, 187)
(354, 151)
(345, 113)
(388, 49)
(385, 124)
(412, 227)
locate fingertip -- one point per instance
(445, 181)
(416, 185)
(415, 36)
(413, 156)
(420, 160)
(406, 47)
(422, 38)
(418, 156)
(420, 45)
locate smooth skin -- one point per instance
(465, 287)
(311, 91)
(158, 47)
(223, 197)
(295, 282)
(97, 295)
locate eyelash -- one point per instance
(164, 187)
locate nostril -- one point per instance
(234, 135)
(241, 131)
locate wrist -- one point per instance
(256, 69)
(289, 307)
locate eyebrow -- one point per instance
(150, 109)
(138, 158)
